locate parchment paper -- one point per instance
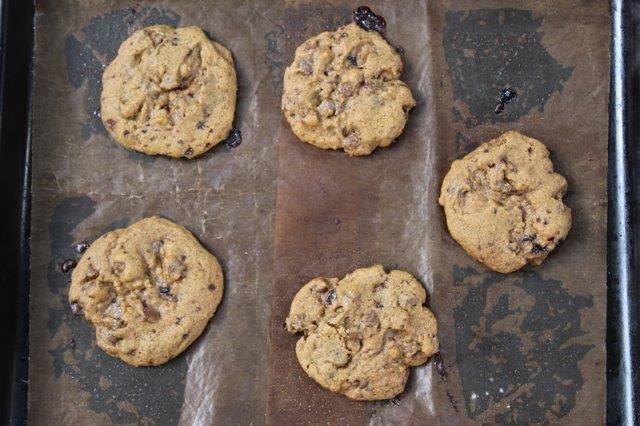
(528, 347)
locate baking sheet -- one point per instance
(527, 347)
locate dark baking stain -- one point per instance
(155, 393)
(438, 362)
(452, 401)
(274, 57)
(488, 50)
(518, 344)
(139, 156)
(116, 224)
(303, 21)
(87, 55)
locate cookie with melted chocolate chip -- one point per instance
(363, 332)
(503, 203)
(149, 290)
(170, 91)
(343, 91)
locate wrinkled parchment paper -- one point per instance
(520, 348)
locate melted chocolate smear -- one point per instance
(234, 139)
(452, 400)
(82, 247)
(506, 95)
(439, 363)
(67, 265)
(367, 20)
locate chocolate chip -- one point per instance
(234, 139)
(305, 66)
(212, 287)
(378, 305)
(75, 308)
(81, 247)
(67, 265)
(200, 125)
(337, 222)
(367, 20)
(174, 41)
(537, 249)
(92, 274)
(151, 314)
(188, 152)
(164, 289)
(526, 238)
(125, 133)
(185, 335)
(352, 60)
(379, 287)
(111, 123)
(118, 268)
(329, 297)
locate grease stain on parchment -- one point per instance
(518, 345)
(487, 50)
(89, 53)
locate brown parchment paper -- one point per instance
(528, 347)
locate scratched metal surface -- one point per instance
(527, 347)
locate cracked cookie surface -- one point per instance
(342, 91)
(503, 203)
(170, 91)
(149, 290)
(363, 332)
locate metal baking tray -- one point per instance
(17, 45)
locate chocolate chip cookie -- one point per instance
(342, 91)
(170, 91)
(149, 290)
(363, 332)
(503, 203)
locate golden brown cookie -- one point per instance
(503, 203)
(149, 290)
(170, 91)
(363, 332)
(342, 91)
